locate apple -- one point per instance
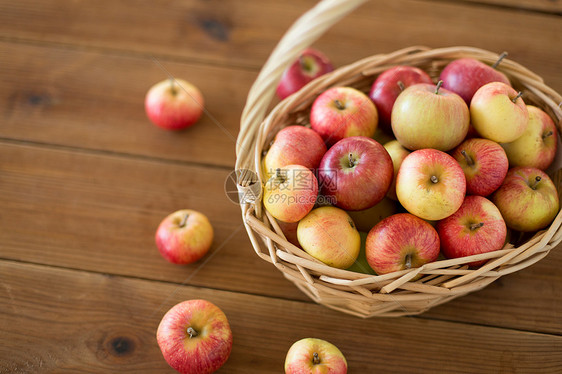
(527, 199)
(195, 337)
(294, 145)
(310, 65)
(341, 112)
(184, 236)
(498, 112)
(538, 144)
(397, 154)
(314, 356)
(361, 265)
(430, 184)
(290, 193)
(401, 241)
(465, 76)
(174, 104)
(484, 163)
(427, 116)
(329, 235)
(365, 219)
(389, 84)
(477, 227)
(357, 171)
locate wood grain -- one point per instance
(239, 32)
(547, 6)
(92, 100)
(99, 213)
(76, 322)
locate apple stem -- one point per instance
(339, 104)
(401, 86)
(408, 261)
(502, 56)
(519, 94)
(475, 226)
(537, 180)
(173, 87)
(184, 220)
(434, 179)
(315, 358)
(468, 159)
(439, 84)
(351, 162)
(550, 133)
(191, 331)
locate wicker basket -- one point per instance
(399, 293)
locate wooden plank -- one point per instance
(239, 32)
(548, 6)
(92, 100)
(55, 320)
(99, 213)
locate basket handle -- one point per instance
(305, 31)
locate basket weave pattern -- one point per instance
(400, 293)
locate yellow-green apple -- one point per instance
(356, 171)
(195, 337)
(361, 265)
(527, 199)
(290, 193)
(397, 154)
(430, 184)
(341, 112)
(294, 145)
(314, 356)
(465, 76)
(389, 84)
(365, 219)
(537, 146)
(310, 65)
(290, 231)
(382, 136)
(484, 163)
(401, 241)
(329, 235)
(174, 104)
(184, 236)
(498, 112)
(427, 116)
(477, 227)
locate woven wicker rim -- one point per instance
(399, 293)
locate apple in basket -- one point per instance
(538, 144)
(294, 145)
(290, 194)
(477, 227)
(427, 116)
(401, 241)
(527, 199)
(389, 84)
(329, 235)
(314, 356)
(367, 218)
(195, 337)
(465, 76)
(397, 154)
(341, 112)
(357, 172)
(430, 184)
(484, 163)
(498, 113)
(310, 65)
(184, 236)
(361, 265)
(174, 104)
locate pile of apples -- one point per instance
(463, 162)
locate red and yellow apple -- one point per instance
(314, 356)
(397, 154)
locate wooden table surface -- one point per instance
(85, 179)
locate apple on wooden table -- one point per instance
(310, 65)
(341, 112)
(428, 116)
(184, 236)
(174, 104)
(195, 337)
(476, 227)
(314, 356)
